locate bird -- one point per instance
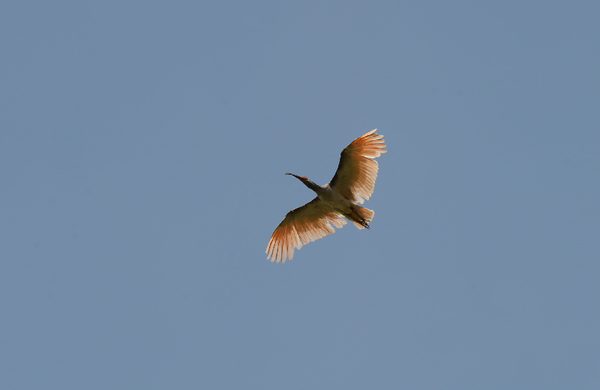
(336, 201)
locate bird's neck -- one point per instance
(313, 186)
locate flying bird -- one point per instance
(336, 201)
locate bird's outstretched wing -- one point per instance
(301, 226)
(357, 171)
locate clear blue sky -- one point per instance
(142, 152)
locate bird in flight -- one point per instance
(336, 201)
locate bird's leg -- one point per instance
(358, 218)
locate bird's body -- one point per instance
(353, 183)
(342, 205)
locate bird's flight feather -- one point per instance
(301, 226)
(357, 170)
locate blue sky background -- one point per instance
(142, 152)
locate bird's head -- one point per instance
(303, 178)
(307, 182)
